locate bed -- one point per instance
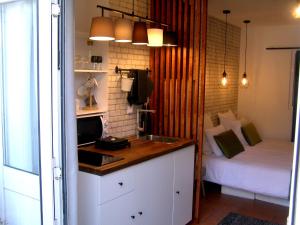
(262, 171)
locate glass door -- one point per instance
(26, 138)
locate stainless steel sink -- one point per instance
(157, 138)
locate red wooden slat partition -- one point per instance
(178, 74)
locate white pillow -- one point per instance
(207, 121)
(243, 120)
(206, 147)
(236, 126)
(228, 115)
(207, 124)
(210, 133)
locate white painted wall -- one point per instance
(267, 100)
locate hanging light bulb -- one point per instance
(155, 37)
(244, 80)
(224, 80)
(102, 29)
(296, 12)
(123, 30)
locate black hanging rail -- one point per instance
(132, 15)
(119, 70)
(282, 48)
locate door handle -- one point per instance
(178, 192)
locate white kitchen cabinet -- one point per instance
(121, 211)
(183, 186)
(154, 187)
(155, 192)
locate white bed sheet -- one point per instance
(263, 169)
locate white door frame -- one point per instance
(50, 116)
(45, 111)
(294, 212)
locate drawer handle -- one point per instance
(120, 183)
(133, 217)
(178, 192)
(140, 213)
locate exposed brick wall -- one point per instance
(124, 55)
(218, 98)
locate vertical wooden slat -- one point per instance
(167, 20)
(157, 68)
(161, 75)
(184, 69)
(196, 68)
(190, 72)
(173, 72)
(178, 74)
(152, 67)
(203, 30)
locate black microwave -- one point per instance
(89, 129)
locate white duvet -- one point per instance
(263, 169)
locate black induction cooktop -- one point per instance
(95, 158)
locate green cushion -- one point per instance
(229, 143)
(251, 135)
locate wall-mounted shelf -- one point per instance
(89, 71)
(87, 113)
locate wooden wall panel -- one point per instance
(178, 74)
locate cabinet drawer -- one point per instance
(116, 184)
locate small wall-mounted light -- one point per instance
(155, 37)
(102, 29)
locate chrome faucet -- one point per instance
(138, 128)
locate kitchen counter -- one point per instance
(139, 151)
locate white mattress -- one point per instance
(263, 169)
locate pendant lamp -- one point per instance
(102, 29)
(155, 37)
(139, 35)
(244, 80)
(170, 39)
(123, 30)
(224, 80)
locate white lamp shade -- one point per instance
(123, 30)
(155, 37)
(102, 29)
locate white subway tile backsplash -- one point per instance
(125, 56)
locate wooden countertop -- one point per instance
(140, 151)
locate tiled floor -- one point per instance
(216, 206)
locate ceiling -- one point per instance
(260, 12)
